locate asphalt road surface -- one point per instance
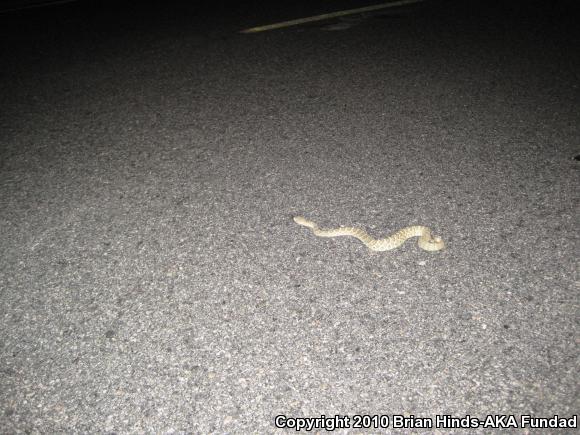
(152, 279)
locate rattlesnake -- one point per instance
(426, 241)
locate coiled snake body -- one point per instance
(426, 241)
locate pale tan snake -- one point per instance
(426, 241)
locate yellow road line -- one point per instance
(329, 16)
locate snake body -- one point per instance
(426, 241)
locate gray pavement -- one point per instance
(152, 279)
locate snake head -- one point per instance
(437, 243)
(432, 244)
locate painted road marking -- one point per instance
(329, 16)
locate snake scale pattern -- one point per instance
(426, 241)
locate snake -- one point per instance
(426, 241)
